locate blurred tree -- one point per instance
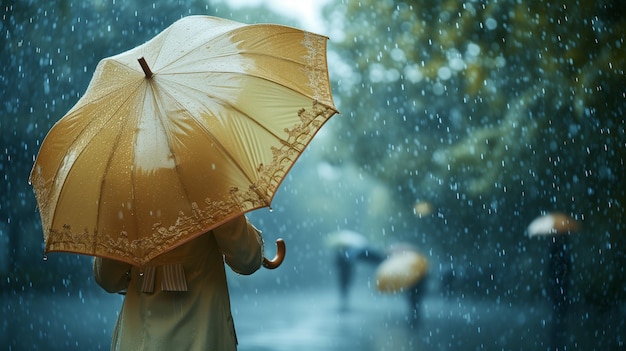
(493, 111)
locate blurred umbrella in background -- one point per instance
(404, 271)
(349, 248)
(179, 135)
(556, 226)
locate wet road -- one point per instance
(308, 320)
(303, 319)
(382, 322)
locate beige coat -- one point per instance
(157, 314)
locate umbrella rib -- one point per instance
(110, 158)
(240, 53)
(226, 56)
(249, 117)
(127, 121)
(169, 137)
(233, 107)
(210, 135)
(78, 135)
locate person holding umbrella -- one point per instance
(405, 270)
(154, 168)
(556, 227)
(350, 247)
(180, 300)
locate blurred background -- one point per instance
(461, 122)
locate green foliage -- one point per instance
(494, 111)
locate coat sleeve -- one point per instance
(241, 244)
(111, 275)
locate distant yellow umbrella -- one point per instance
(423, 208)
(179, 135)
(401, 271)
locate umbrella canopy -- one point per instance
(556, 226)
(179, 135)
(346, 239)
(552, 223)
(402, 270)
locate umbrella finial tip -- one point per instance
(145, 67)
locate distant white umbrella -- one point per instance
(556, 226)
(552, 223)
(350, 247)
(346, 238)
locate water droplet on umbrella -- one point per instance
(271, 209)
(45, 257)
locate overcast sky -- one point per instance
(308, 11)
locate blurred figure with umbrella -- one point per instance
(556, 227)
(349, 248)
(405, 270)
(182, 288)
(154, 168)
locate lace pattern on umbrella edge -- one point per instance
(140, 251)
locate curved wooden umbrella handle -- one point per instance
(278, 259)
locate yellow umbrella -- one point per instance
(179, 135)
(401, 271)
